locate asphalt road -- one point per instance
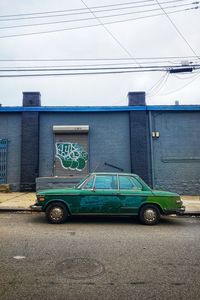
(100, 258)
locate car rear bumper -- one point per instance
(177, 211)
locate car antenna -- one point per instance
(96, 167)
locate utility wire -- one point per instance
(80, 74)
(169, 67)
(161, 85)
(97, 59)
(179, 89)
(93, 25)
(111, 34)
(164, 67)
(184, 78)
(176, 28)
(94, 17)
(75, 9)
(157, 83)
(90, 71)
(96, 11)
(101, 64)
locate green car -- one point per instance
(108, 194)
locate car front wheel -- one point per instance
(56, 213)
(149, 215)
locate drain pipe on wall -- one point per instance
(151, 149)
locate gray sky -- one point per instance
(142, 38)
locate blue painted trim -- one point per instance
(174, 107)
(82, 109)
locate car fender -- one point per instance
(152, 203)
(57, 201)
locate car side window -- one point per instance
(106, 182)
(128, 183)
(88, 185)
(137, 184)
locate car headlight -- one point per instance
(179, 201)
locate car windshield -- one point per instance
(88, 184)
(144, 185)
(78, 185)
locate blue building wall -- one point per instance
(120, 136)
(10, 129)
(176, 152)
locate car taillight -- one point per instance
(40, 198)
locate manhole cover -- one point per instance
(76, 268)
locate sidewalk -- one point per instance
(192, 204)
(16, 201)
(22, 202)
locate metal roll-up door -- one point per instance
(71, 152)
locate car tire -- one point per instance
(149, 215)
(56, 213)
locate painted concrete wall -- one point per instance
(176, 153)
(29, 150)
(109, 139)
(140, 145)
(10, 128)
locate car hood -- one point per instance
(164, 193)
(58, 191)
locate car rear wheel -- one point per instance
(149, 215)
(56, 213)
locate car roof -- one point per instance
(112, 173)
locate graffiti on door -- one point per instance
(71, 155)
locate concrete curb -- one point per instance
(192, 213)
(10, 209)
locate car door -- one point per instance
(132, 194)
(100, 195)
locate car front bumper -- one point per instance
(177, 211)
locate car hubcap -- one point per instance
(150, 215)
(56, 213)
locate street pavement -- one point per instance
(22, 201)
(101, 259)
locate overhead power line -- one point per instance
(75, 9)
(97, 63)
(93, 25)
(176, 28)
(168, 68)
(82, 74)
(90, 71)
(78, 74)
(95, 10)
(95, 17)
(130, 64)
(111, 34)
(157, 83)
(73, 74)
(100, 59)
(181, 88)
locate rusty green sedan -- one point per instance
(107, 194)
